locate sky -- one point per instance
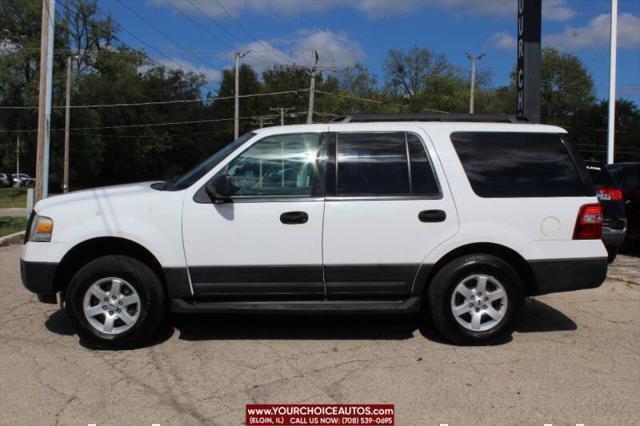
(202, 35)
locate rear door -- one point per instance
(387, 206)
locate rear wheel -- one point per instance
(116, 301)
(474, 299)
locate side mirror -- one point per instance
(220, 189)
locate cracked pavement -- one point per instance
(575, 358)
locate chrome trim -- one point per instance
(275, 200)
(384, 197)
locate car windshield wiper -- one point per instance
(166, 185)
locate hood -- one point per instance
(119, 193)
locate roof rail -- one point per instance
(471, 118)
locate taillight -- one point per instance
(589, 223)
(609, 194)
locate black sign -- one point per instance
(528, 68)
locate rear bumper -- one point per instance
(38, 277)
(613, 237)
(558, 275)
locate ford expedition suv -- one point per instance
(463, 216)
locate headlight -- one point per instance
(41, 229)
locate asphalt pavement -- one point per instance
(575, 358)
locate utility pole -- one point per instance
(312, 71)
(282, 111)
(612, 82)
(236, 94)
(67, 121)
(312, 86)
(262, 121)
(474, 60)
(44, 99)
(18, 154)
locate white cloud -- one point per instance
(334, 49)
(211, 74)
(596, 34)
(503, 40)
(557, 10)
(235, 7)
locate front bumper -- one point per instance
(558, 275)
(39, 278)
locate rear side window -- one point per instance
(383, 164)
(504, 164)
(423, 180)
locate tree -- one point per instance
(589, 132)
(409, 73)
(566, 85)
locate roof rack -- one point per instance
(442, 117)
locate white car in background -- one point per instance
(464, 215)
(22, 179)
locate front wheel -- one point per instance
(474, 299)
(115, 301)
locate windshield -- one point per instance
(203, 168)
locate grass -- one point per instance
(12, 241)
(11, 225)
(13, 197)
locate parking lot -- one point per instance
(575, 358)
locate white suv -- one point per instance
(368, 214)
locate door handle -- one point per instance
(432, 216)
(293, 218)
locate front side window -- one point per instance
(276, 166)
(203, 168)
(383, 164)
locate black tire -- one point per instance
(612, 252)
(145, 282)
(444, 283)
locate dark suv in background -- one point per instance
(614, 221)
(628, 177)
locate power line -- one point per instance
(209, 18)
(262, 120)
(171, 135)
(195, 55)
(375, 101)
(214, 22)
(177, 101)
(248, 33)
(132, 35)
(195, 22)
(127, 126)
(282, 111)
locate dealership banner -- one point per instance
(320, 414)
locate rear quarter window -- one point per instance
(515, 164)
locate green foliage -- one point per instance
(11, 225)
(567, 87)
(13, 197)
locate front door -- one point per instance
(387, 207)
(265, 242)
